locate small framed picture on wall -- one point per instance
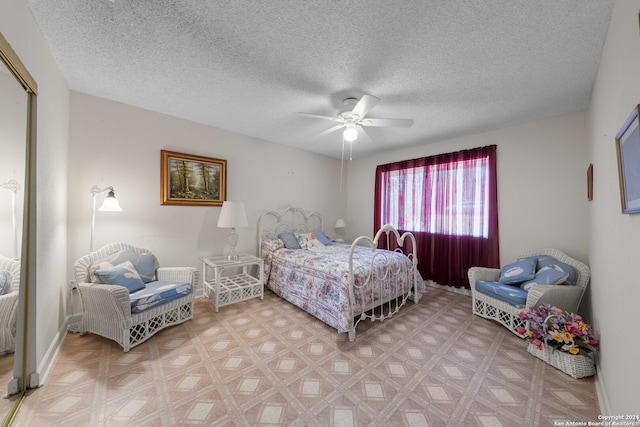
(628, 151)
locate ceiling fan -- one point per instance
(354, 119)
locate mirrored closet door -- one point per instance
(17, 124)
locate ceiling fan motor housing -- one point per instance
(348, 104)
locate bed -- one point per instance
(340, 284)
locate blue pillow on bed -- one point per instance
(322, 237)
(289, 239)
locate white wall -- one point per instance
(541, 184)
(614, 238)
(48, 294)
(119, 145)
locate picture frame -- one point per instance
(190, 180)
(628, 153)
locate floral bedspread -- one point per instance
(317, 280)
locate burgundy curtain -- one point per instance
(450, 203)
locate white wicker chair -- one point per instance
(566, 297)
(9, 305)
(106, 309)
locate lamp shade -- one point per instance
(232, 215)
(340, 223)
(110, 203)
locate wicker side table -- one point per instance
(229, 281)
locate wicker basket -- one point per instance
(577, 366)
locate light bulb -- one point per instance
(350, 134)
(110, 203)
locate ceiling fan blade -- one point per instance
(362, 136)
(394, 123)
(320, 116)
(366, 103)
(330, 130)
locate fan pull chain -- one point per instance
(342, 164)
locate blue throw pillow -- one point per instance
(547, 261)
(518, 272)
(3, 282)
(289, 239)
(144, 263)
(546, 276)
(322, 237)
(123, 274)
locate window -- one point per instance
(445, 198)
(449, 202)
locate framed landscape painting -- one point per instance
(628, 150)
(189, 180)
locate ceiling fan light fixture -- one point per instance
(350, 134)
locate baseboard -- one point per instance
(601, 393)
(448, 288)
(39, 377)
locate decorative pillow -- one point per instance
(102, 265)
(518, 272)
(3, 282)
(123, 274)
(144, 263)
(303, 239)
(272, 245)
(322, 237)
(289, 240)
(546, 276)
(308, 241)
(547, 261)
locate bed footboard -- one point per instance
(378, 291)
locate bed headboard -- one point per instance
(294, 219)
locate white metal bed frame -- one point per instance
(386, 303)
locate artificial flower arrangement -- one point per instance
(558, 329)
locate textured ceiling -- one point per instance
(454, 67)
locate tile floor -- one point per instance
(267, 363)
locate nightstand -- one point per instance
(243, 279)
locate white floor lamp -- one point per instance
(110, 204)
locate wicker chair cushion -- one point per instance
(157, 293)
(518, 272)
(124, 274)
(506, 293)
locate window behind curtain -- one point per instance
(448, 198)
(449, 202)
